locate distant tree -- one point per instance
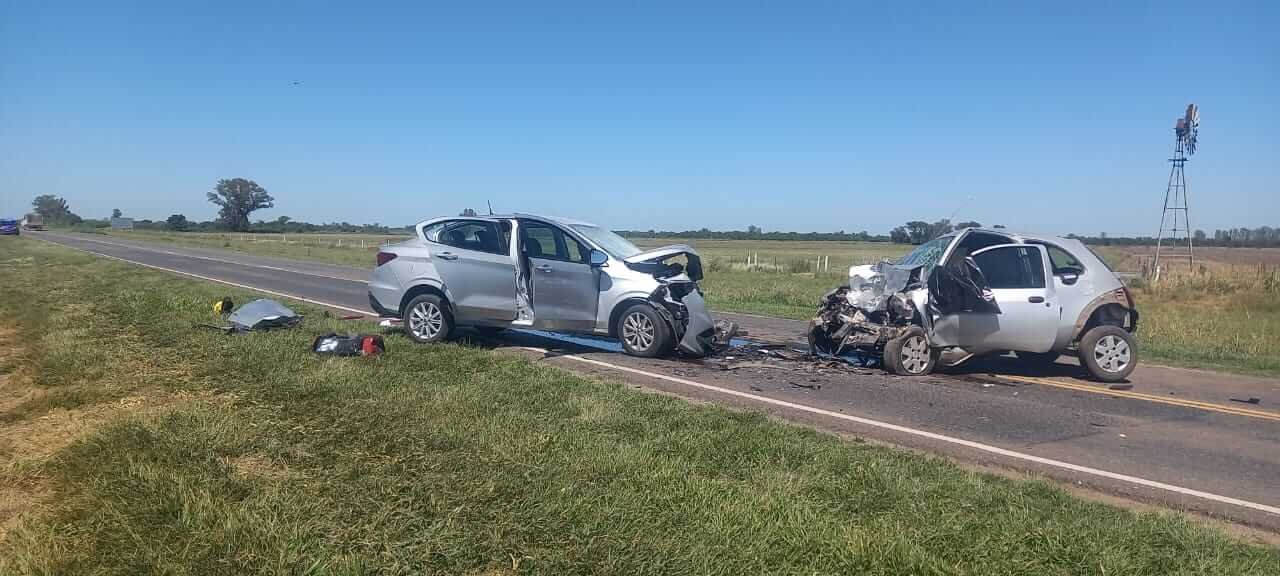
(1200, 236)
(919, 231)
(55, 210)
(236, 199)
(283, 220)
(939, 228)
(116, 213)
(999, 226)
(469, 212)
(969, 224)
(753, 230)
(900, 235)
(177, 222)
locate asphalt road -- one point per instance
(1175, 439)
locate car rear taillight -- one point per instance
(384, 257)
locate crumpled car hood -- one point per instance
(871, 286)
(652, 260)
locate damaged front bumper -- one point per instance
(884, 300)
(678, 299)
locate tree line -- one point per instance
(1260, 237)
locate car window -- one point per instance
(1062, 261)
(551, 243)
(1012, 267)
(472, 235)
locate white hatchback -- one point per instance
(978, 291)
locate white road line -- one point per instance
(810, 409)
(212, 259)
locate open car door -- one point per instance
(1025, 312)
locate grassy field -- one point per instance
(133, 442)
(1225, 315)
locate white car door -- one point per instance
(1029, 312)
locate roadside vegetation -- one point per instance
(132, 441)
(1224, 315)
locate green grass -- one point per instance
(203, 453)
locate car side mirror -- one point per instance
(1069, 278)
(598, 259)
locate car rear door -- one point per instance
(566, 291)
(1029, 312)
(473, 260)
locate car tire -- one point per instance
(1109, 353)
(427, 319)
(910, 354)
(1039, 359)
(643, 332)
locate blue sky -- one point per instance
(790, 116)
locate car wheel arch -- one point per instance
(620, 307)
(1103, 313)
(420, 289)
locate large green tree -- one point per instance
(177, 222)
(55, 210)
(236, 199)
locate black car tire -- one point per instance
(910, 354)
(1109, 353)
(427, 319)
(643, 332)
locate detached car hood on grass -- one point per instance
(655, 261)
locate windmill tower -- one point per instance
(1175, 220)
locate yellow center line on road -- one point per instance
(1261, 414)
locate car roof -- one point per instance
(1019, 236)
(494, 217)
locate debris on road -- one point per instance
(1120, 387)
(1250, 400)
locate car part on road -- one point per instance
(427, 319)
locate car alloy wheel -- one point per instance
(915, 354)
(1111, 353)
(426, 320)
(638, 331)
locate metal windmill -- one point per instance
(1176, 214)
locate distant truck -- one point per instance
(33, 221)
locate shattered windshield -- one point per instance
(615, 245)
(928, 253)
